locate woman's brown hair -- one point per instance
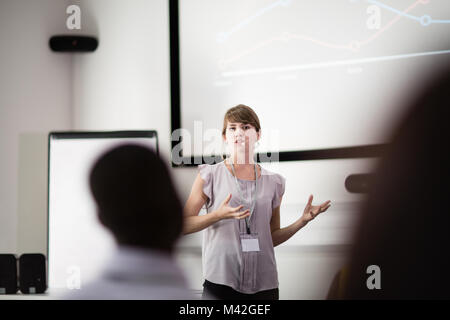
(243, 114)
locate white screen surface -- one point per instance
(319, 74)
(78, 244)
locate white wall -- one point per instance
(35, 94)
(32, 193)
(124, 84)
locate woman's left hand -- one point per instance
(311, 211)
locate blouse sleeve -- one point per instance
(280, 183)
(207, 177)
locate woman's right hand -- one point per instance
(227, 212)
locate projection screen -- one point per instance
(320, 74)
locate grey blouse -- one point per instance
(224, 262)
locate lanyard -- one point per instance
(253, 201)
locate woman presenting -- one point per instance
(242, 224)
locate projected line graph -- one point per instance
(331, 64)
(351, 60)
(424, 20)
(353, 45)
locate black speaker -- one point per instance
(359, 183)
(71, 43)
(32, 273)
(8, 274)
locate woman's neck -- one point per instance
(243, 171)
(240, 160)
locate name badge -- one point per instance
(250, 243)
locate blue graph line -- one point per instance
(225, 35)
(424, 20)
(441, 21)
(401, 13)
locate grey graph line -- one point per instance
(330, 64)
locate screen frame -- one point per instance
(361, 151)
(86, 135)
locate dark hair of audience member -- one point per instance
(404, 228)
(136, 198)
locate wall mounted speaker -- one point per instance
(32, 273)
(8, 274)
(359, 183)
(71, 43)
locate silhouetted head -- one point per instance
(405, 224)
(136, 198)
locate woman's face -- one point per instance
(241, 137)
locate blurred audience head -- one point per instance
(404, 228)
(136, 198)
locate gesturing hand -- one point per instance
(311, 211)
(227, 212)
